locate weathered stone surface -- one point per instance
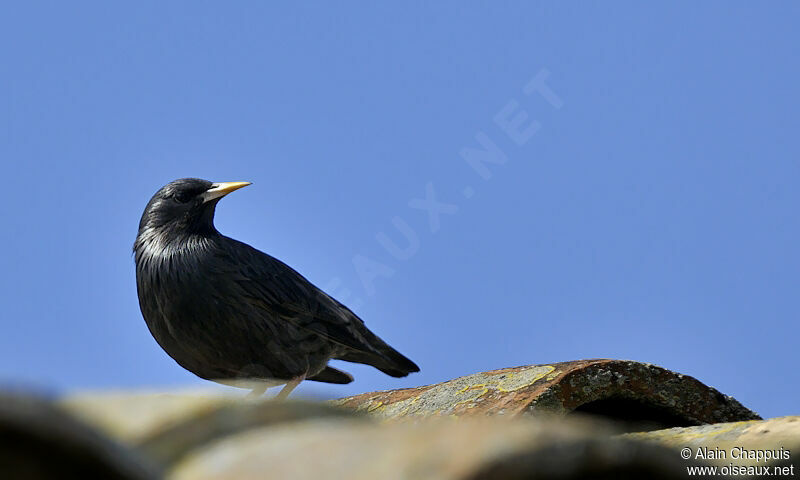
(134, 416)
(168, 445)
(476, 448)
(40, 441)
(642, 395)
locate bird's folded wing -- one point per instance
(279, 290)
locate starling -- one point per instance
(235, 315)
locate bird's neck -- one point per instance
(159, 242)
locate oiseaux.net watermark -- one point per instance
(741, 461)
(512, 127)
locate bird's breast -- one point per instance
(178, 285)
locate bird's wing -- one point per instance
(278, 289)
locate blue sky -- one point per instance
(646, 208)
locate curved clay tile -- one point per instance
(641, 395)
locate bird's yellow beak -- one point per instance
(221, 189)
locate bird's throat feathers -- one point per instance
(155, 246)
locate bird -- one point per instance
(235, 315)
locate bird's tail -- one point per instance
(387, 360)
(332, 375)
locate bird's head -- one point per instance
(185, 205)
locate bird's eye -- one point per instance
(182, 197)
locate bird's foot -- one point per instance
(257, 392)
(289, 387)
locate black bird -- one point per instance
(235, 315)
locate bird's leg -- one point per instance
(287, 389)
(257, 391)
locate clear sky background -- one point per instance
(653, 215)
